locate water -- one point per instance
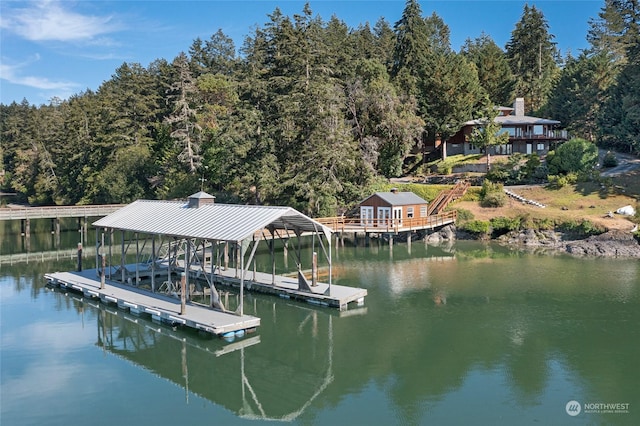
(471, 334)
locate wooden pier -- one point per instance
(162, 308)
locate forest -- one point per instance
(311, 113)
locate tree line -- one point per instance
(311, 113)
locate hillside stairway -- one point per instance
(445, 197)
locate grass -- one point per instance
(570, 203)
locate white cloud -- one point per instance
(12, 74)
(49, 21)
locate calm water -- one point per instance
(470, 334)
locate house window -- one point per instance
(423, 211)
(538, 130)
(540, 147)
(409, 212)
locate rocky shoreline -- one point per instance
(615, 243)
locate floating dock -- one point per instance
(322, 294)
(162, 308)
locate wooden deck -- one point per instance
(346, 224)
(160, 307)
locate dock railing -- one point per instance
(16, 213)
(350, 224)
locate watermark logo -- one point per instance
(573, 408)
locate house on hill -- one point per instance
(391, 208)
(527, 134)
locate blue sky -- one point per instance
(59, 48)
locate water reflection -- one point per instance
(508, 336)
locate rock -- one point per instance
(448, 233)
(609, 244)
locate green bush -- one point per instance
(503, 224)
(609, 160)
(492, 194)
(581, 228)
(463, 215)
(489, 187)
(560, 181)
(494, 199)
(576, 155)
(477, 227)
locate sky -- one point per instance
(55, 49)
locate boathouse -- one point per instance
(384, 209)
(216, 244)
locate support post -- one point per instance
(241, 251)
(79, 257)
(183, 302)
(314, 270)
(153, 263)
(122, 269)
(187, 267)
(104, 264)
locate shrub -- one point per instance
(576, 155)
(502, 225)
(464, 215)
(582, 228)
(609, 160)
(494, 199)
(560, 181)
(477, 227)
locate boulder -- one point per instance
(609, 244)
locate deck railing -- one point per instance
(350, 224)
(15, 213)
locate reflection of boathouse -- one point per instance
(233, 376)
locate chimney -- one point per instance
(518, 106)
(200, 199)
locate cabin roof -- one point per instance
(220, 222)
(397, 198)
(512, 120)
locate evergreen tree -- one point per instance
(580, 92)
(494, 73)
(532, 55)
(412, 47)
(615, 29)
(185, 130)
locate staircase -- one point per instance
(445, 197)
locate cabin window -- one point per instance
(538, 130)
(540, 147)
(410, 212)
(423, 211)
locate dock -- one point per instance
(286, 287)
(162, 308)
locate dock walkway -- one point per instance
(323, 294)
(160, 307)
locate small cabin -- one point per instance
(391, 208)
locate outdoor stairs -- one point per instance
(445, 197)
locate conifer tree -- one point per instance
(532, 55)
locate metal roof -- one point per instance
(512, 120)
(398, 198)
(221, 222)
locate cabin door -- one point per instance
(366, 215)
(384, 216)
(397, 216)
(529, 148)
